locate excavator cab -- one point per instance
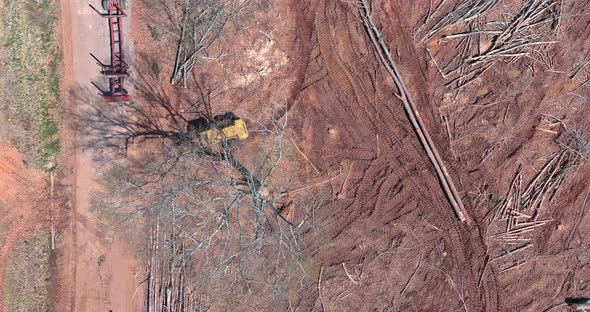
(219, 128)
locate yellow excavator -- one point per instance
(217, 129)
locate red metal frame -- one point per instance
(117, 70)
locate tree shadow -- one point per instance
(156, 111)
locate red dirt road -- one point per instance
(84, 282)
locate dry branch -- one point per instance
(515, 265)
(521, 208)
(348, 274)
(215, 218)
(198, 29)
(464, 11)
(522, 33)
(412, 276)
(195, 26)
(512, 252)
(320, 288)
(578, 218)
(304, 156)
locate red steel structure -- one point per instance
(117, 70)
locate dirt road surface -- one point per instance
(98, 273)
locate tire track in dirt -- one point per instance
(467, 236)
(369, 112)
(13, 235)
(341, 79)
(81, 284)
(354, 154)
(400, 168)
(21, 190)
(471, 236)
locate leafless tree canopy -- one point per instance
(155, 115)
(195, 25)
(213, 222)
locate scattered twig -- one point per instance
(304, 156)
(347, 274)
(343, 187)
(313, 185)
(450, 136)
(412, 276)
(464, 12)
(452, 283)
(546, 130)
(320, 288)
(581, 66)
(578, 218)
(521, 207)
(516, 265)
(511, 252)
(527, 31)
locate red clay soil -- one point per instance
(390, 216)
(387, 238)
(23, 198)
(392, 241)
(348, 120)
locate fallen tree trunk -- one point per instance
(445, 180)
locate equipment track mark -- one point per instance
(6, 248)
(457, 229)
(397, 185)
(337, 72)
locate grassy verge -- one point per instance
(29, 111)
(30, 87)
(27, 275)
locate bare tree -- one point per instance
(214, 219)
(195, 25)
(155, 115)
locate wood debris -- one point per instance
(516, 218)
(485, 39)
(413, 115)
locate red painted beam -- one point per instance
(117, 70)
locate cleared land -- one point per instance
(494, 100)
(332, 203)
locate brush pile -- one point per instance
(481, 32)
(518, 214)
